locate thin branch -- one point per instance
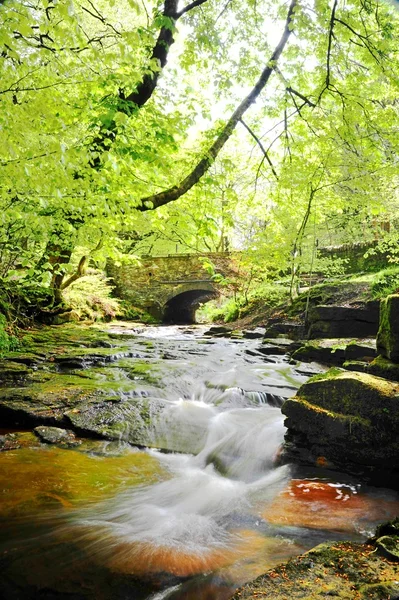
(226, 6)
(301, 96)
(261, 146)
(156, 200)
(330, 38)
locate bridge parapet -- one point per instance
(171, 288)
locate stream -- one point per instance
(108, 520)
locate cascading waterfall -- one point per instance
(219, 512)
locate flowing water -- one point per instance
(110, 521)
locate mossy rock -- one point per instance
(56, 435)
(13, 371)
(141, 422)
(388, 332)
(383, 367)
(357, 394)
(314, 352)
(349, 419)
(389, 546)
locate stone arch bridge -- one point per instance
(171, 288)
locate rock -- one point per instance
(143, 422)
(71, 316)
(252, 334)
(380, 367)
(316, 352)
(363, 351)
(356, 365)
(389, 546)
(348, 419)
(218, 330)
(342, 570)
(343, 321)
(388, 332)
(11, 371)
(383, 367)
(55, 435)
(294, 330)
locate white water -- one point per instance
(219, 403)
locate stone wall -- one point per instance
(154, 282)
(353, 255)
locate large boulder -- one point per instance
(388, 333)
(343, 321)
(345, 420)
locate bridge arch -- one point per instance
(182, 304)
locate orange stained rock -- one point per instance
(141, 558)
(325, 505)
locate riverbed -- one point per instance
(202, 507)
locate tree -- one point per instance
(105, 137)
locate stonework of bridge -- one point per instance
(171, 288)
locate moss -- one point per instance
(330, 374)
(388, 332)
(343, 570)
(383, 367)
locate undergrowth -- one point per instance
(91, 297)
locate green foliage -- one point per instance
(8, 342)
(264, 296)
(91, 297)
(386, 282)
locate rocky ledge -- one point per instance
(342, 570)
(347, 421)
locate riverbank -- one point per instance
(341, 570)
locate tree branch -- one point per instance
(80, 271)
(157, 200)
(301, 96)
(261, 146)
(330, 37)
(189, 7)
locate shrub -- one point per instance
(91, 297)
(386, 282)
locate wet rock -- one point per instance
(19, 439)
(274, 349)
(320, 352)
(45, 403)
(11, 371)
(291, 329)
(141, 422)
(364, 350)
(388, 332)
(356, 365)
(343, 321)
(348, 419)
(383, 367)
(55, 435)
(388, 545)
(218, 330)
(341, 570)
(84, 357)
(253, 334)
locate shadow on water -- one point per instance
(105, 521)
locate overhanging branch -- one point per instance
(157, 200)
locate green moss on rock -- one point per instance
(388, 332)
